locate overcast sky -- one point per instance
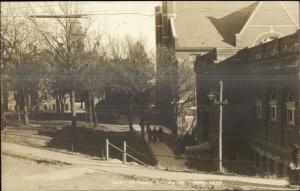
(139, 24)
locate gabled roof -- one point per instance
(275, 13)
(215, 23)
(232, 23)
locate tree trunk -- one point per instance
(130, 121)
(174, 118)
(90, 111)
(4, 96)
(62, 102)
(142, 125)
(147, 125)
(35, 103)
(86, 108)
(72, 101)
(18, 109)
(96, 119)
(57, 103)
(143, 132)
(94, 112)
(26, 118)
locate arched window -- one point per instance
(273, 106)
(290, 108)
(266, 37)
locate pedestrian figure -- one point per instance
(154, 135)
(160, 134)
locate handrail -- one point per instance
(127, 154)
(116, 147)
(136, 159)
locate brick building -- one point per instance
(195, 28)
(261, 122)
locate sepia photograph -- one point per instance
(150, 95)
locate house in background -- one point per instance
(194, 28)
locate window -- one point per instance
(273, 107)
(290, 109)
(258, 111)
(258, 107)
(290, 116)
(273, 113)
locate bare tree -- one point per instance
(134, 76)
(69, 49)
(175, 86)
(11, 37)
(22, 62)
(93, 76)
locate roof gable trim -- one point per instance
(249, 19)
(289, 14)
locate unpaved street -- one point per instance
(27, 175)
(82, 166)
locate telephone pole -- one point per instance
(220, 102)
(221, 128)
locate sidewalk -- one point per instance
(116, 166)
(165, 157)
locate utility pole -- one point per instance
(220, 102)
(221, 128)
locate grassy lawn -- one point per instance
(92, 142)
(83, 140)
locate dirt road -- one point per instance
(89, 164)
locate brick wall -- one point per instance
(270, 68)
